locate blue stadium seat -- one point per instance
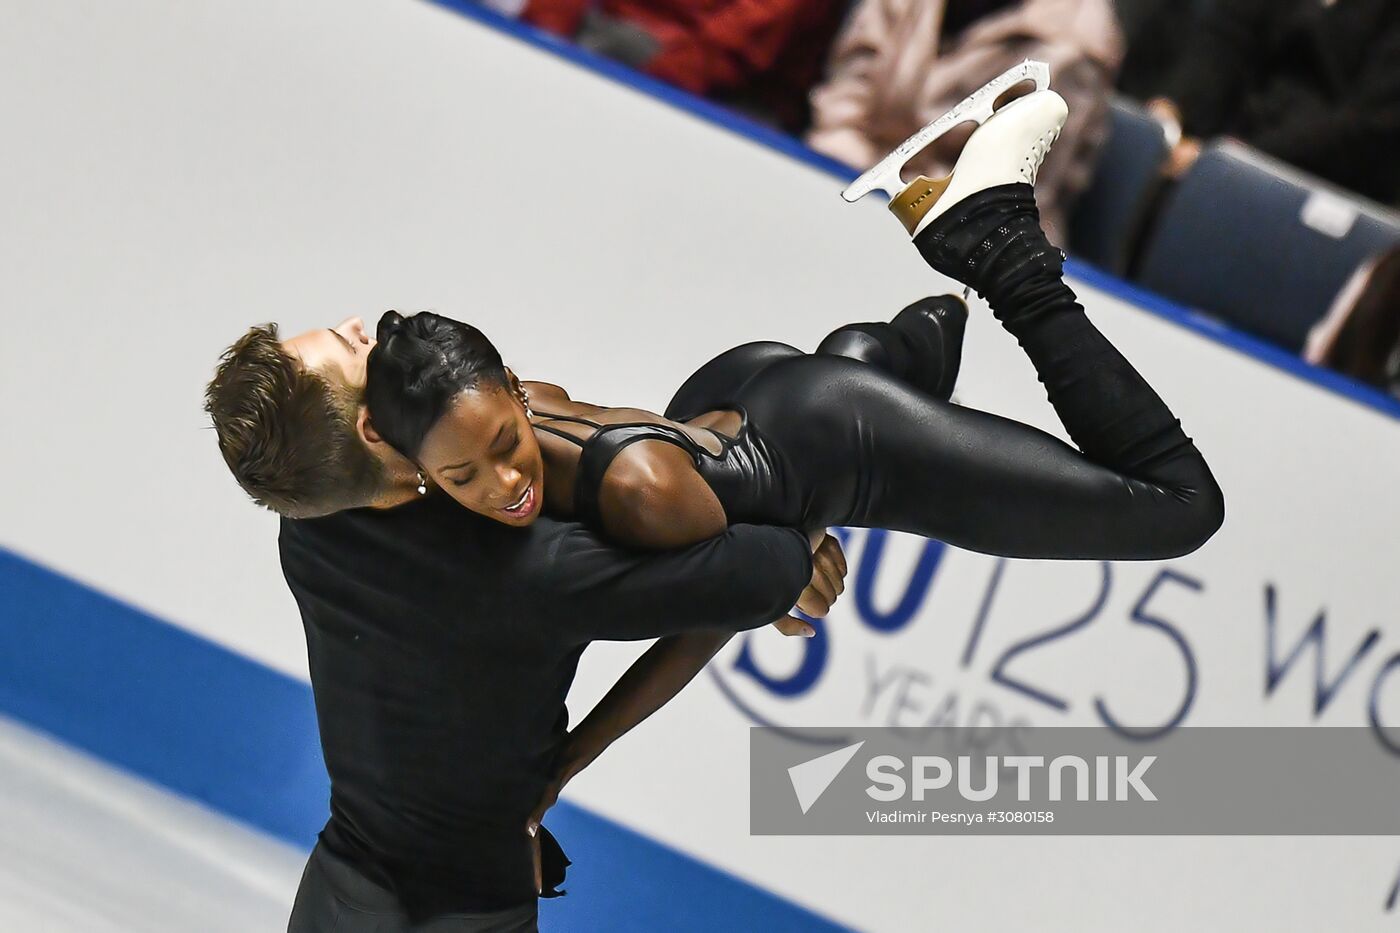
(1108, 218)
(1260, 244)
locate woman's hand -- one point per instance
(568, 761)
(539, 869)
(828, 577)
(828, 582)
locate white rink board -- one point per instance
(177, 172)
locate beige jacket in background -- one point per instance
(888, 76)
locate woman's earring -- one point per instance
(525, 400)
(422, 484)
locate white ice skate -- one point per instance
(1009, 146)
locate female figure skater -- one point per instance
(766, 434)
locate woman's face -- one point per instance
(483, 453)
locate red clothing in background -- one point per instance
(769, 50)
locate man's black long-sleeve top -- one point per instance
(441, 648)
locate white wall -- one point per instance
(175, 172)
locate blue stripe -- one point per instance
(160, 702)
(792, 147)
(210, 724)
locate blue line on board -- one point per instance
(774, 139)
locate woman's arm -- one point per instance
(653, 497)
(649, 684)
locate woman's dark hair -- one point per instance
(418, 367)
(1368, 341)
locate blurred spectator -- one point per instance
(898, 64)
(1360, 335)
(760, 56)
(1156, 32)
(1313, 82)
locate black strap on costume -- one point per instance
(581, 441)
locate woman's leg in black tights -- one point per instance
(872, 451)
(994, 243)
(1140, 489)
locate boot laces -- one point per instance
(1036, 156)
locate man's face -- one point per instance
(338, 352)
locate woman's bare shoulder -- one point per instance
(652, 496)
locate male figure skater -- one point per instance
(442, 644)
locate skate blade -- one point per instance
(976, 107)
